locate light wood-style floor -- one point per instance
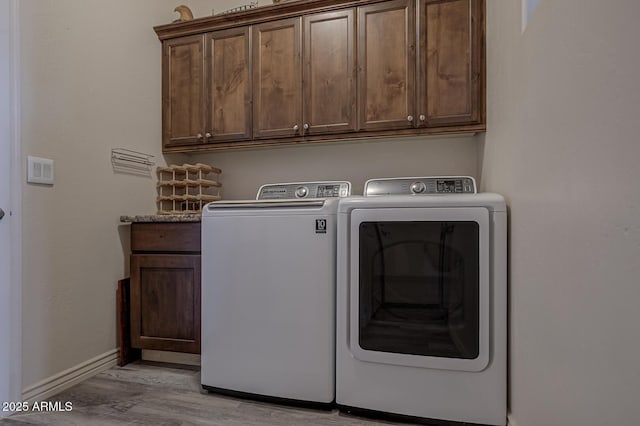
(159, 394)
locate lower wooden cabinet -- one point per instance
(165, 286)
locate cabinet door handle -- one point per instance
(306, 126)
(207, 135)
(296, 127)
(410, 118)
(422, 117)
(199, 135)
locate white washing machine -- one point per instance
(422, 301)
(268, 294)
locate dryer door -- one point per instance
(419, 287)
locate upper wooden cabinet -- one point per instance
(206, 88)
(304, 75)
(183, 105)
(329, 73)
(277, 79)
(386, 60)
(444, 87)
(451, 62)
(229, 85)
(320, 70)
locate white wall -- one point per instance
(90, 82)
(562, 145)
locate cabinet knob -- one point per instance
(296, 127)
(306, 126)
(199, 135)
(410, 118)
(208, 135)
(423, 117)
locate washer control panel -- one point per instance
(303, 190)
(428, 185)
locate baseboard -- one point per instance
(72, 376)
(510, 420)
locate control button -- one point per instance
(418, 187)
(301, 191)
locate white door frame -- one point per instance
(11, 281)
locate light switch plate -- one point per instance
(39, 170)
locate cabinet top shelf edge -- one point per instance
(252, 16)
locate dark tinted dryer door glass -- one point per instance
(418, 288)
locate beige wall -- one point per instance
(562, 145)
(90, 82)
(244, 171)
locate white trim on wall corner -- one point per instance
(528, 7)
(72, 376)
(13, 331)
(510, 420)
(16, 202)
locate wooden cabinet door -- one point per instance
(277, 79)
(229, 85)
(329, 66)
(386, 62)
(183, 102)
(450, 82)
(165, 302)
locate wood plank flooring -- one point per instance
(146, 393)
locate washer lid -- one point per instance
(314, 206)
(266, 204)
(304, 190)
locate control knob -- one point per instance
(301, 191)
(418, 187)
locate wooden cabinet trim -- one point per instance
(254, 16)
(165, 237)
(337, 138)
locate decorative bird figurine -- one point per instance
(185, 13)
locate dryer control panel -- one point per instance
(428, 185)
(303, 190)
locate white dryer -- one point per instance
(422, 301)
(268, 294)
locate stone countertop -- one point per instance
(154, 218)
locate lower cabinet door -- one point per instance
(165, 302)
